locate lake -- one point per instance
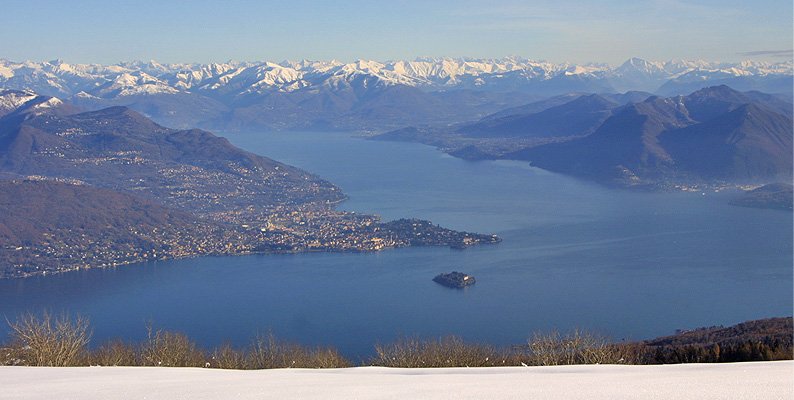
(575, 255)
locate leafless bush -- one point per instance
(328, 358)
(449, 351)
(62, 341)
(405, 353)
(115, 353)
(227, 357)
(632, 353)
(574, 348)
(171, 349)
(50, 341)
(268, 352)
(11, 355)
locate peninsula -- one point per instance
(111, 187)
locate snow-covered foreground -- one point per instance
(759, 380)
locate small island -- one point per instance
(454, 279)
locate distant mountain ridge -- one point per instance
(240, 78)
(716, 135)
(362, 95)
(713, 135)
(100, 147)
(577, 117)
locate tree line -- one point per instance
(47, 340)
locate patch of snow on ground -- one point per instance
(758, 380)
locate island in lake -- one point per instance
(454, 279)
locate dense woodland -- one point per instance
(761, 340)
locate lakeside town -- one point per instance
(310, 227)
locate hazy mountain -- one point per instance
(775, 195)
(538, 106)
(362, 95)
(697, 79)
(553, 120)
(534, 107)
(359, 105)
(632, 96)
(30, 102)
(746, 144)
(639, 74)
(715, 134)
(177, 110)
(580, 116)
(121, 149)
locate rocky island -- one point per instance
(454, 279)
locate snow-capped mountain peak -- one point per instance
(12, 99)
(58, 78)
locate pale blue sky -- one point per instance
(207, 31)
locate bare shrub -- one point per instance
(450, 351)
(227, 357)
(404, 353)
(328, 358)
(632, 353)
(50, 341)
(62, 341)
(171, 349)
(11, 355)
(574, 348)
(115, 353)
(268, 352)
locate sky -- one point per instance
(605, 31)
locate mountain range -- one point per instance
(367, 96)
(714, 135)
(120, 149)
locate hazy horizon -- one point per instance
(386, 61)
(207, 31)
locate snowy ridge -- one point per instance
(134, 83)
(58, 78)
(15, 100)
(11, 100)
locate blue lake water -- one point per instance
(575, 255)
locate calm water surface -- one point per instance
(628, 265)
